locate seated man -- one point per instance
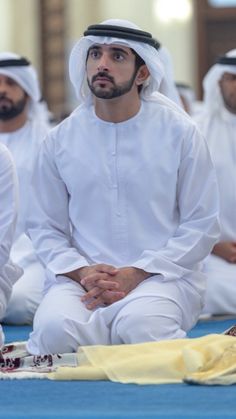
(218, 124)
(119, 219)
(9, 273)
(23, 126)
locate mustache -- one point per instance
(3, 96)
(102, 74)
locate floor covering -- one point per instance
(22, 399)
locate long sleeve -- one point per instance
(8, 208)
(219, 131)
(9, 272)
(48, 222)
(197, 204)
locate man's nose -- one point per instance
(103, 64)
(2, 87)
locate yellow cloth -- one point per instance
(207, 360)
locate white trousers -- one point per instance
(155, 310)
(27, 292)
(221, 286)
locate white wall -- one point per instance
(6, 25)
(19, 29)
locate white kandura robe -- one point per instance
(138, 193)
(27, 292)
(220, 132)
(9, 272)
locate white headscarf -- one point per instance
(188, 94)
(152, 58)
(27, 79)
(212, 97)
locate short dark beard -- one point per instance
(229, 103)
(10, 112)
(116, 91)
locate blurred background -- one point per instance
(195, 32)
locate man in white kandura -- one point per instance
(9, 272)
(120, 219)
(23, 126)
(218, 124)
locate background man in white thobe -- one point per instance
(218, 124)
(9, 272)
(120, 220)
(23, 126)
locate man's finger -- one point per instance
(109, 269)
(96, 279)
(110, 296)
(93, 293)
(98, 302)
(99, 289)
(106, 298)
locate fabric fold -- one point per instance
(207, 360)
(175, 361)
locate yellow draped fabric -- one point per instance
(207, 360)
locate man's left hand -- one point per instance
(127, 279)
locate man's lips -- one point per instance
(102, 79)
(4, 101)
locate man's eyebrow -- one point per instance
(115, 49)
(119, 49)
(95, 47)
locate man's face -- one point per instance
(13, 99)
(111, 70)
(227, 85)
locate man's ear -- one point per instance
(142, 74)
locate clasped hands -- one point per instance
(106, 284)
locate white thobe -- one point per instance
(220, 132)
(138, 193)
(9, 272)
(27, 292)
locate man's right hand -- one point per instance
(225, 250)
(101, 275)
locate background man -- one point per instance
(119, 218)
(218, 123)
(22, 129)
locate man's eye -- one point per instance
(118, 57)
(11, 82)
(229, 77)
(93, 54)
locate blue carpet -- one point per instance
(211, 326)
(76, 399)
